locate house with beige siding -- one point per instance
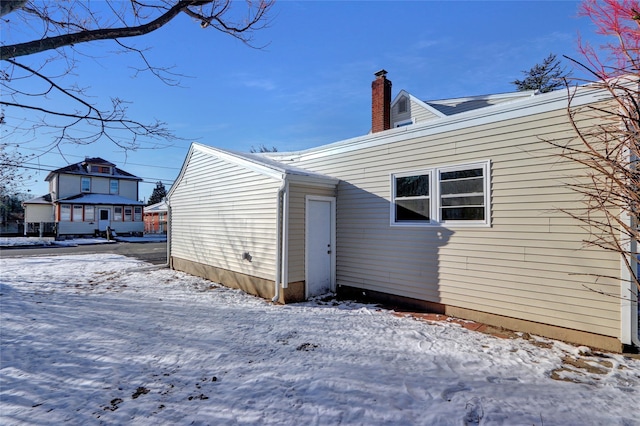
(455, 206)
(86, 198)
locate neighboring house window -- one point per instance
(402, 105)
(137, 214)
(65, 212)
(77, 213)
(117, 213)
(89, 214)
(127, 213)
(113, 186)
(86, 184)
(101, 169)
(456, 195)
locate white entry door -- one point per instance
(104, 219)
(320, 245)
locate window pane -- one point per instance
(412, 210)
(113, 187)
(412, 186)
(127, 213)
(461, 174)
(86, 184)
(117, 213)
(65, 212)
(77, 213)
(463, 213)
(463, 201)
(137, 213)
(467, 186)
(89, 213)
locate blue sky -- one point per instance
(311, 83)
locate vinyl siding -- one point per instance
(99, 185)
(128, 189)
(414, 110)
(297, 205)
(39, 213)
(219, 211)
(531, 262)
(70, 185)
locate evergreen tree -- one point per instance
(544, 77)
(261, 148)
(159, 192)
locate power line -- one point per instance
(81, 156)
(42, 168)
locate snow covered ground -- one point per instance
(49, 241)
(106, 339)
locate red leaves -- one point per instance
(619, 19)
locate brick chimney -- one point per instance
(380, 102)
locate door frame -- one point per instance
(100, 209)
(332, 223)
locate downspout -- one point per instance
(282, 221)
(629, 267)
(629, 292)
(169, 228)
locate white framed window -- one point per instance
(137, 214)
(117, 213)
(127, 213)
(449, 195)
(65, 212)
(113, 186)
(403, 123)
(412, 197)
(85, 185)
(77, 212)
(89, 213)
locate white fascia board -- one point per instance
(261, 168)
(276, 172)
(181, 173)
(491, 114)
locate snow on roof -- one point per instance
(100, 199)
(43, 199)
(457, 105)
(157, 207)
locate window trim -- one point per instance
(89, 217)
(402, 123)
(117, 186)
(84, 179)
(403, 101)
(115, 214)
(137, 213)
(394, 176)
(65, 213)
(436, 199)
(77, 213)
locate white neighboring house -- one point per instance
(86, 198)
(454, 206)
